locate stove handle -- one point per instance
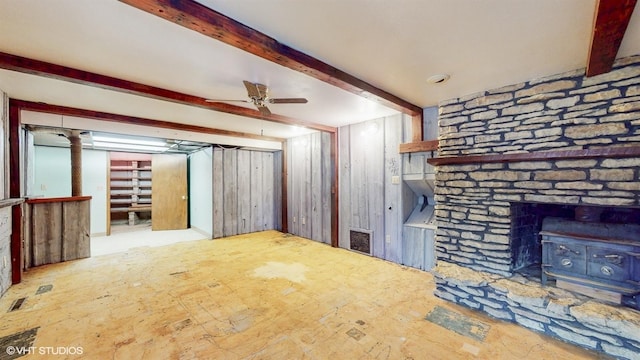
(561, 250)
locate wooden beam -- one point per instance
(596, 153)
(417, 128)
(609, 25)
(431, 145)
(132, 120)
(211, 23)
(58, 72)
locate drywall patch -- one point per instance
(277, 270)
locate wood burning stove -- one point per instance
(593, 254)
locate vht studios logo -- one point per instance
(44, 350)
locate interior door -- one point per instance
(169, 192)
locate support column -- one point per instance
(76, 163)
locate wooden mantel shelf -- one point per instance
(609, 152)
(430, 145)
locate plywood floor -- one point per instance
(260, 296)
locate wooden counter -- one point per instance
(57, 229)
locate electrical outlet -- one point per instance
(388, 239)
(294, 219)
(395, 180)
(43, 187)
(304, 220)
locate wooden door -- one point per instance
(169, 192)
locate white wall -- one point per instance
(52, 178)
(201, 191)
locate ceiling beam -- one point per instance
(211, 23)
(53, 71)
(132, 120)
(609, 25)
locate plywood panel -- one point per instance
(244, 191)
(230, 175)
(218, 193)
(169, 192)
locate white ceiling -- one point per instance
(394, 45)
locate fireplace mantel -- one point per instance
(595, 153)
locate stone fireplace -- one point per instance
(513, 156)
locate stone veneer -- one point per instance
(474, 200)
(574, 318)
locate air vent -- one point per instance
(360, 241)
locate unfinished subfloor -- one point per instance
(266, 295)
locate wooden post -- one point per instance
(76, 163)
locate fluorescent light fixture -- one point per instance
(129, 146)
(128, 141)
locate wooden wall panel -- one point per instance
(325, 188)
(315, 188)
(59, 231)
(266, 198)
(344, 186)
(369, 200)
(246, 191)
(255, 196)
(230, 178)
(277, 189)
(218, 193)
(76, 215)
(309, 187)
(46, 233)
(392, 190)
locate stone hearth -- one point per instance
(564, 140)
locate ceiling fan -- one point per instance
(259, 96)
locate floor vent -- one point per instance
(17, 304)
(360, 241)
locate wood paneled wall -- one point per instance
(371, 184)
(309, 186)
(246, 191)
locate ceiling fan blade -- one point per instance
(264, 110)
(227, 100)
(253, 89)
(288, 101)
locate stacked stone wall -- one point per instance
(564, 112)
(473, 200)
